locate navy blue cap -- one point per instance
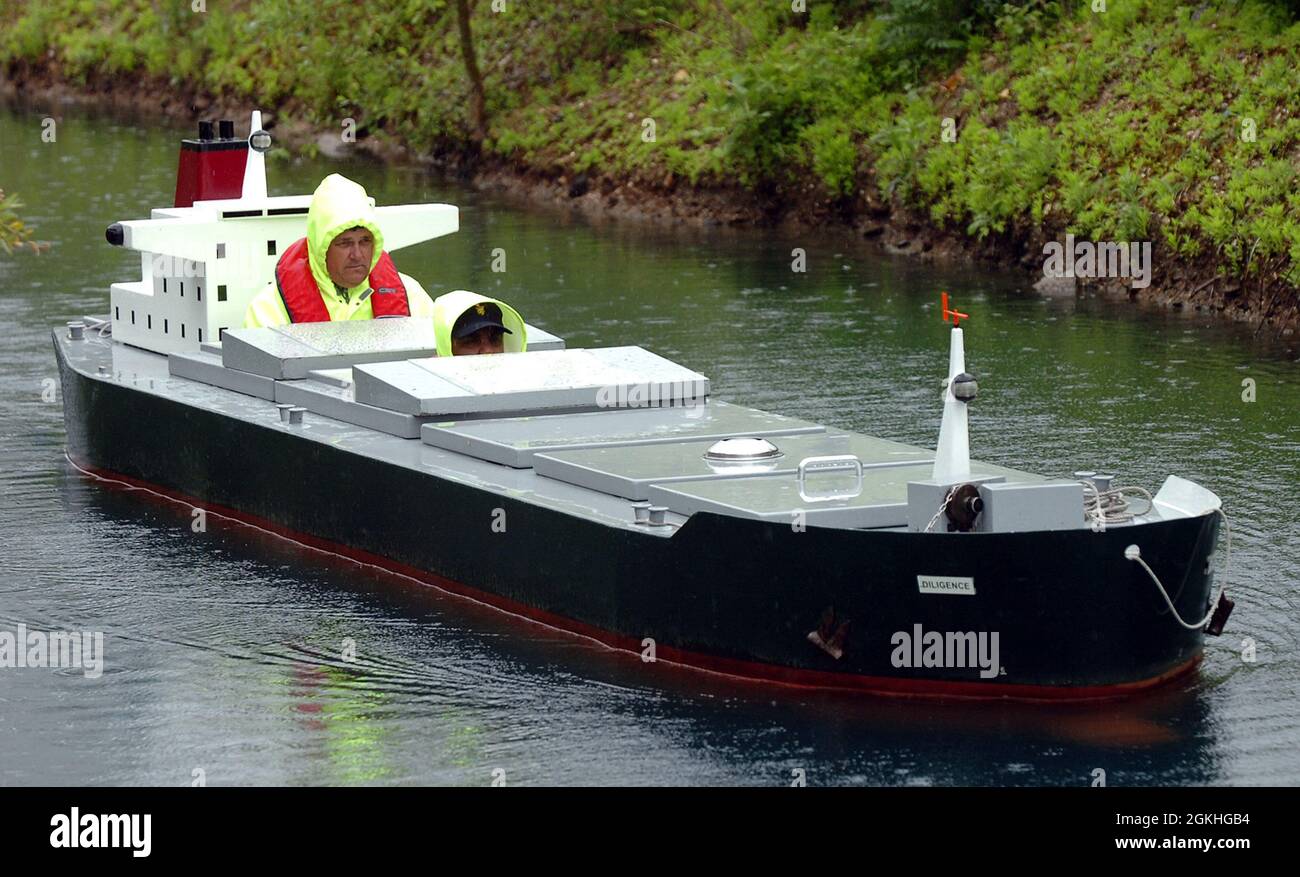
(479, 316)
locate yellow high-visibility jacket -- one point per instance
(337, 205)
(447, 309)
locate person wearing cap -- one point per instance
(466, 323)
(339, 271)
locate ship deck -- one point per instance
(596, 463)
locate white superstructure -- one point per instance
(201, 265)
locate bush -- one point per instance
(14, 234)
(1123, 125)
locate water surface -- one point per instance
(223, 648)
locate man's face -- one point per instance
(489, 339)
(349, 256)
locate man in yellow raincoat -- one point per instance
(339, 271)
(466, 323)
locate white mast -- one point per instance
(255, 169)
(952, 459)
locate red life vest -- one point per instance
(302, 296)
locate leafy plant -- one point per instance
(14, 233)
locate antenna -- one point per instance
(957, 316)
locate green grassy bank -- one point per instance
(1009, 124)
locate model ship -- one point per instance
(608, 492)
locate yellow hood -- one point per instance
(337, 205)
(448, 308)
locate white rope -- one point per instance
(1111, 506)
(1133, 553)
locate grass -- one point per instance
(1155, 119)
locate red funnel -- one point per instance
(211, 168)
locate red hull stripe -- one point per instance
(731, 667)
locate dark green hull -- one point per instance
(1072, 617)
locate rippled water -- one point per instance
(222, 648)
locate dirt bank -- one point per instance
(1180, 284)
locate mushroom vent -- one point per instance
(741, 450)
